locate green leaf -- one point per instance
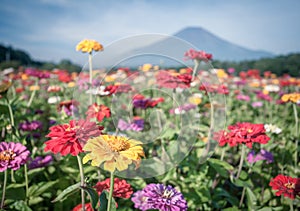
(203, 194)
(251, 199)
(104, 202)
(266, 209)
(20, 205)
(67, 191)
(3, 109)
(93, 195)
(35, 200)
(231, 209)
(38, 189)
(226, 165)
(221, 167)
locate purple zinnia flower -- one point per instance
(12, 155)
(40, 161)
(39, 111)
(30, 126)
(159, 196)
(182, 109)
(140, 103)
(140, 200)
(52, 122)
(262, 155)
(136, 125)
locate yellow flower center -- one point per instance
(249, 130)
(290, 185)
(118, 145)
(7, 155)
(72, 128)
(168, 194)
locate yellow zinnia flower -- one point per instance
(115, 152)
(34, 88)
(71, 84)
(146, 67)
(88, 46)
(221, 73)
(4, 87)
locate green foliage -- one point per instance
(287, 64)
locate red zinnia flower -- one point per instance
(243, 133)
(121, 188)
(88, 207)
(98, 111)
(70, 138)
(64, 77)
(288, 186)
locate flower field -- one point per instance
(193, 138)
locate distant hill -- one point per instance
(10, 57)
(220, 48)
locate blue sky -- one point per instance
(50, 29)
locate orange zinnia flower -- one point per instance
(293, 97)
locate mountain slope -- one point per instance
(169, 50)
(221, 49)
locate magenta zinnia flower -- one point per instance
(12, 155)
(159, 196)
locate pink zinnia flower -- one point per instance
(243, 97)
(198, 55)
(12, 155)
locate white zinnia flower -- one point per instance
(272, 88)
(53, 100)
(272, 129)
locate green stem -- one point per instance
(291, 205)
(4, 188)
(31, 97)
(297, 133)
(111, 190)
(242, 197)
(26, 181)
(241, 162)
(81, 181)
(12, 177)
(223, 154)
(197, 63)
(12, 121)
(91, 76)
